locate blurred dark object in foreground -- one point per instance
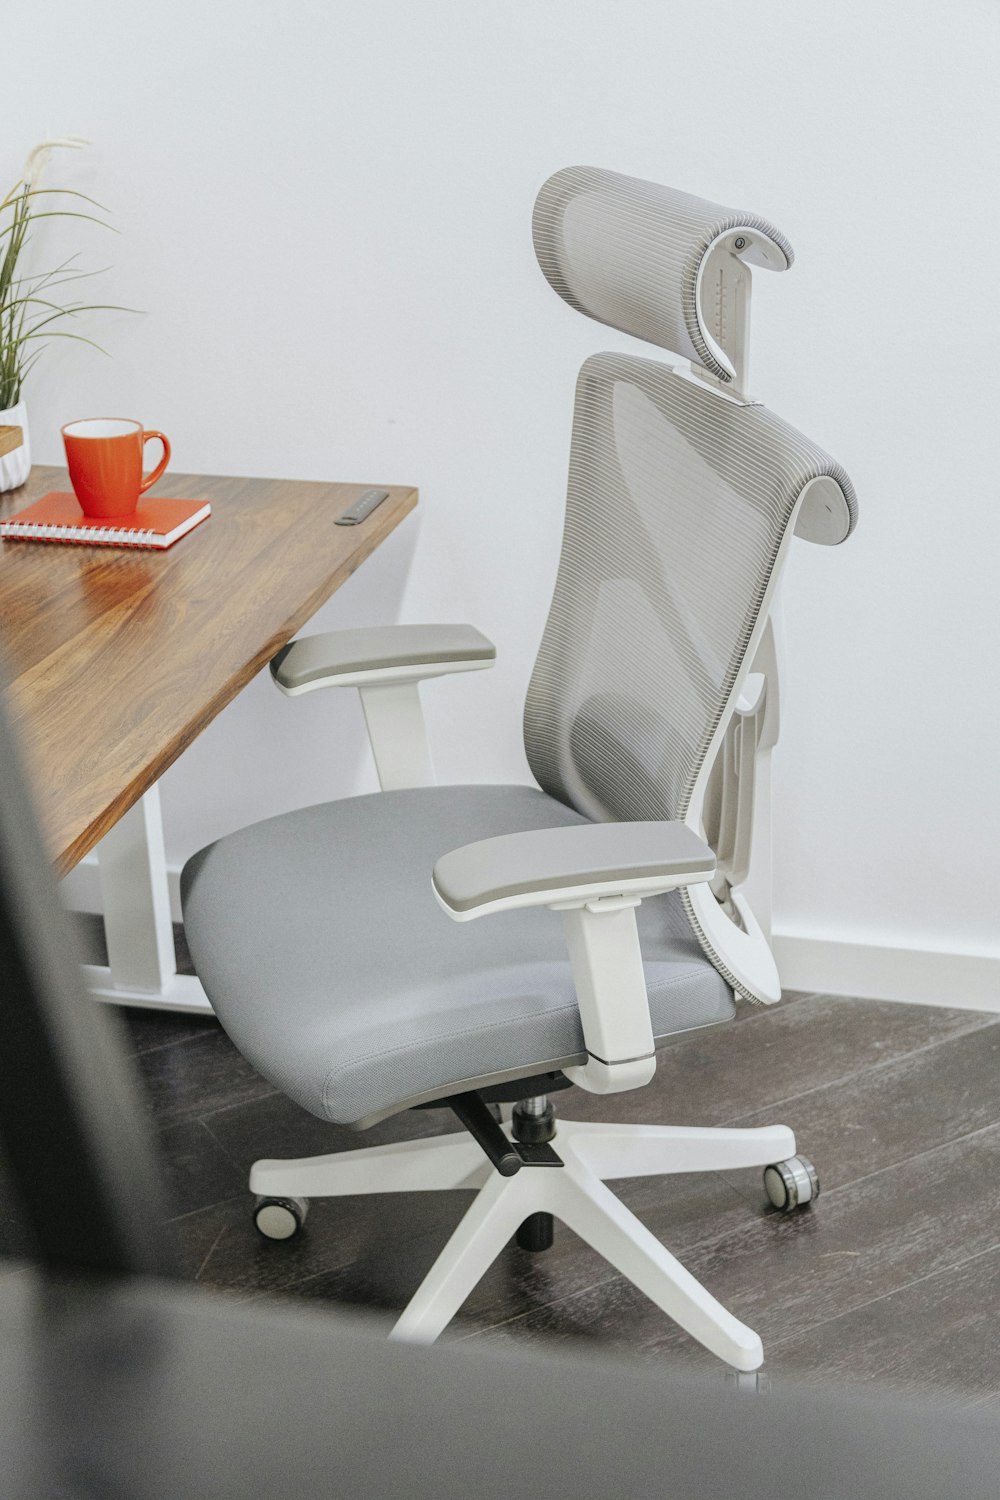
(74, 1134)
(143, 1389)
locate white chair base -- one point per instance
(574, 1193)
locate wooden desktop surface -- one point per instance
(116, 660)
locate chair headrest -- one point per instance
(649, 259)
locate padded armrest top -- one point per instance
(525, 868)
(337, 653)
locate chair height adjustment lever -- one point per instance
(507, 1156)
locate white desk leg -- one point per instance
(136, 900)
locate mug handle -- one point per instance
(158, 471)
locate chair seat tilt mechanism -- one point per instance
(474, 945)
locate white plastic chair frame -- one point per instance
(600, 923)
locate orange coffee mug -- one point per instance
(104, 455)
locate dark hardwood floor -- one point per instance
(894, 1276)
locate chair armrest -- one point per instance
(596, 874)
(386, 663)
(379, 654)
(569, 866)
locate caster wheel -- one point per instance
(791, 1184)
(280, 1218)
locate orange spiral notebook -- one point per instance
(57, 517)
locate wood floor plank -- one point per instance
(197, 1076)
(875, 1118)
(786, 1275)
(386, 1250)
(777, 1054)
(936, 1335)
(143, 1030)
(197, 1233)
(196, 1170)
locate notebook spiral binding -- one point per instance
(18, 529)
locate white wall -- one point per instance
(325, 211)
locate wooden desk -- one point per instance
(117, 660)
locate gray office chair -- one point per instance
(344, 947)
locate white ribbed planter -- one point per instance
(15, 466)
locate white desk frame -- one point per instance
(135, 897)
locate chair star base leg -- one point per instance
(526, 1203)
(435, 1164)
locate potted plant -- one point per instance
(27, 309)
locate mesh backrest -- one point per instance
(678, 502)
(629, 254)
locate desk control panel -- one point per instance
(362, 508)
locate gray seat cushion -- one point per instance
(335, 972)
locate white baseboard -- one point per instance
(917, 976)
